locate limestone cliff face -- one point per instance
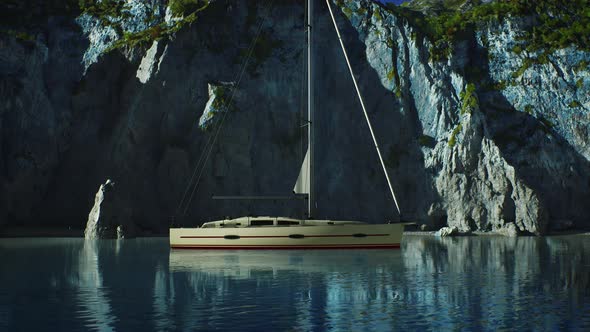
(73, 116)
(38, 77)
(517, 154)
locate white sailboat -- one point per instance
(269, 232)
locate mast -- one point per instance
(310, 118)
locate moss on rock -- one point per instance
(554, 24)
(453, 137)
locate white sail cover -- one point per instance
(302, 184)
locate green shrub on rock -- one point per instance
(453, 137)
(181, 8)
(468, 99)
(574, 104)
(553, 24)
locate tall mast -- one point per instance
(310, 118)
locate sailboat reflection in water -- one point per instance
(275, 264)
(289, 233)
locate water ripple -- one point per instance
(430, 284)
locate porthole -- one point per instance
(261, 222)
(296, 236)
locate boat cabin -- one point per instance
(252, 222)
(271, 221)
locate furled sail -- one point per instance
(302, 184)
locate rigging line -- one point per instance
(209, 149)
(194, 173)
(363, 107)
(210, 141)
(241, 75)
(196, 168)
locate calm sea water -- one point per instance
(469, 283)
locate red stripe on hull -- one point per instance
(274, 236)
(285, 247)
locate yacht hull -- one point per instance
(349, 236)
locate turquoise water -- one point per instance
(468, 283)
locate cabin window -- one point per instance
(296, 236)
(232, 237)
(287, 222)
(261, 223)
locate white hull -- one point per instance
(347, 236)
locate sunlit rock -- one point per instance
(447, 231)
(509, 230)
(107, 219)
(150, 63)
(460, 152)
(475, 155)
(93, 228)
(104, 32)
(219, 102)
(120, 232)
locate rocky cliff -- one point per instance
(477, 139)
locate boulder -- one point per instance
(219, 102)
(120, 232)
(447, 231)
(106, 220)
(509, 230)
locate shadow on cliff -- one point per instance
(541, 157)
(253, 155)
(104, 145)
(397, 133)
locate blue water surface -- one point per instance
(467, 283)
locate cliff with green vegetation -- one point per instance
(482, 109)
(502, 88)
